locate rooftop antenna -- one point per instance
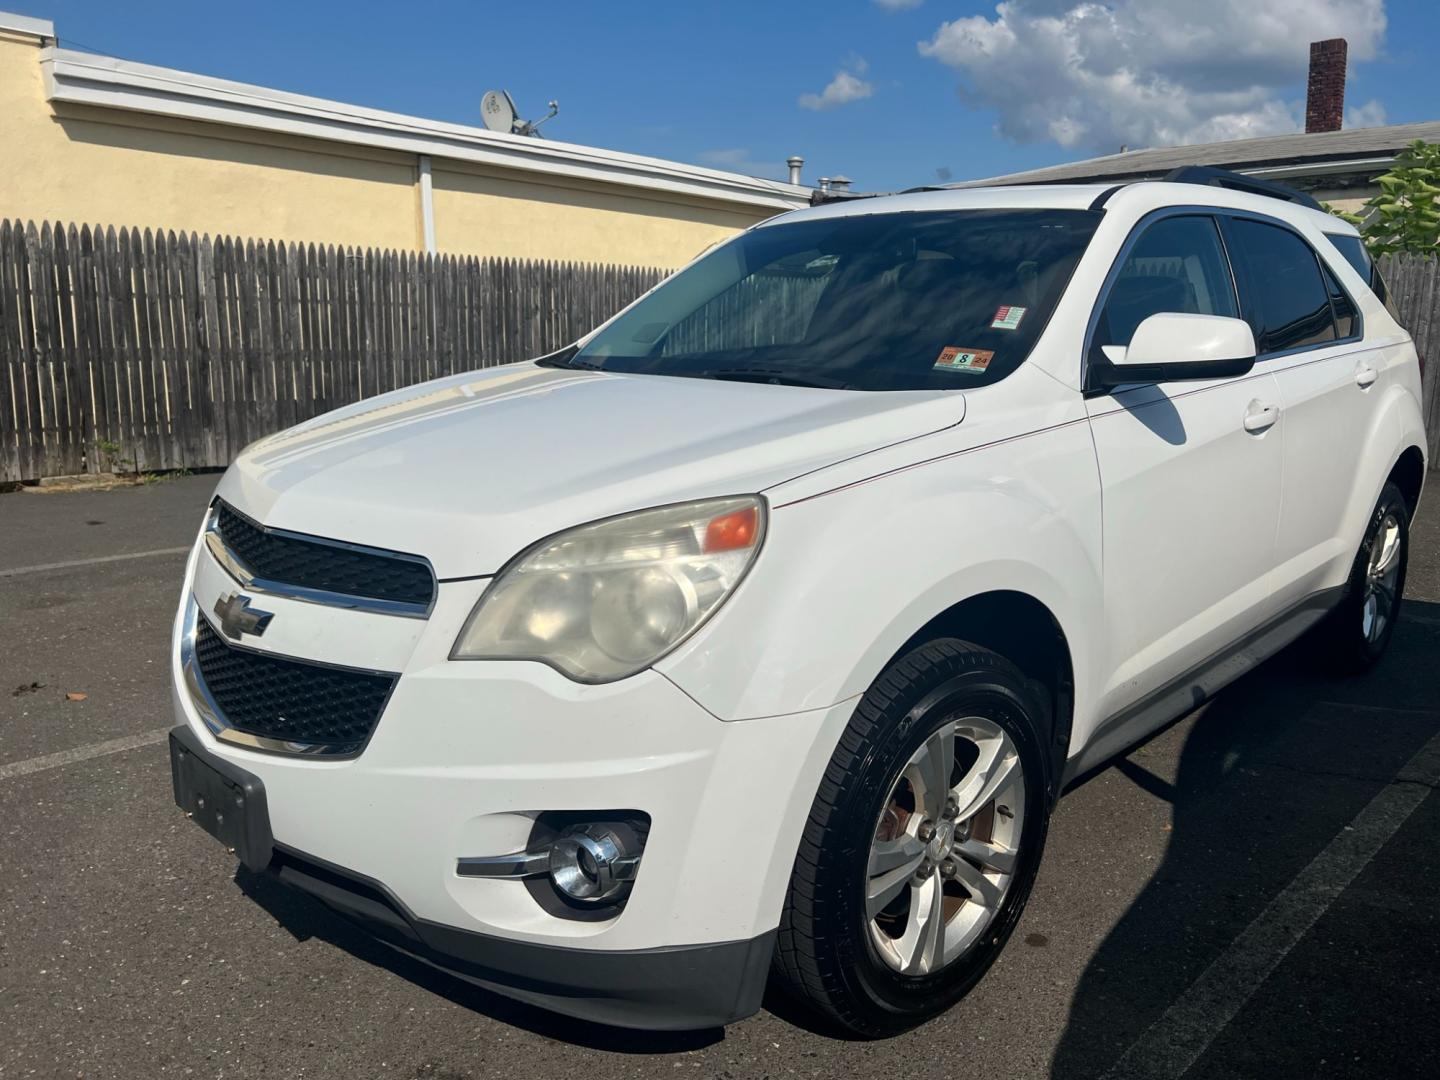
(497, 110)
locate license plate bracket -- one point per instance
(222, 798)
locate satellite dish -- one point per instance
(498, 111)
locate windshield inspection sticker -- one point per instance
(1007, 317)
(953, 358)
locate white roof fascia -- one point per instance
(25, 24)
(80, 78)
(1002, 197)
(1322, 168)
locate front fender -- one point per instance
(848, 576)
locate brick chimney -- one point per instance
(1325, 95)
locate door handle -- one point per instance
(1365, 376)
(1260, 416)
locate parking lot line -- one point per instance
(19, 570)
(1176, 1040)
(81, 753)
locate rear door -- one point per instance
(1190, 470)
(1308, 331)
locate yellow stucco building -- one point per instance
(90, 138)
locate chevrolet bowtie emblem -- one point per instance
(237, 617)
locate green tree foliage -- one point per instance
(1405, 215)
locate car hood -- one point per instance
(471, 469)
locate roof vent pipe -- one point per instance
(796, 163)
(824, 185)
(840, 185)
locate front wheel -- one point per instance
(923, 842)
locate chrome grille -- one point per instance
(318, 569)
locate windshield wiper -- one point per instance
(777, 378)
(562, 358)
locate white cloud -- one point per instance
(843, 89)
(898, 5)
(1095, 74)
(1371, 114)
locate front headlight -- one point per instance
(604, 601)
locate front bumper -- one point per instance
(467, 754)
(676, 988)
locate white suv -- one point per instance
(759, 631)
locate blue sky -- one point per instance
(918, 90)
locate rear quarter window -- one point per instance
(1353, 248)
(1354, 251)
(1347, 319)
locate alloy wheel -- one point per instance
(1381, 577)
(946, 846)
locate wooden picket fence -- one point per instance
(1414, 283)
(146, 350)
(143, 350)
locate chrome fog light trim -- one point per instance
(594, 863)
(517, 864)
(588, 863)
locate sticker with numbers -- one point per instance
(954, 358)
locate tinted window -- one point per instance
(1177, 265)
(1346, 318)
(1354, 251)
(1353, 248)
(1287, 302)
(1380, 289)
(898, 301)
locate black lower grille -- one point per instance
(290, 700)
(320, 564)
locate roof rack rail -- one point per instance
(1224, 178)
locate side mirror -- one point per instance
(1170, 346)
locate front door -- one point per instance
(1190, 473)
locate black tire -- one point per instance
(1345, 645)
(825, 955)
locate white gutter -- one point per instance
(43, 29)
(1321, 168)
(80, 78)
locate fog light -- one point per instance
(595, 863)
(578, 864)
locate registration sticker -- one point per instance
(1007, 317)
(954, 358)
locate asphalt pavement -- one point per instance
(1254, 892)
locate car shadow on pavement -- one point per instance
(1275, 768)
(305, 918)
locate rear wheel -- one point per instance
(1359, 629)
(923, 842)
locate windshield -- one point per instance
(899, 301)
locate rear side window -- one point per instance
(1287, 301)
(1177, 265)
(1346, 319)
(1354, 251)
(1353, 248)
(1380, 289)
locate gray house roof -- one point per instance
(1278, 157)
